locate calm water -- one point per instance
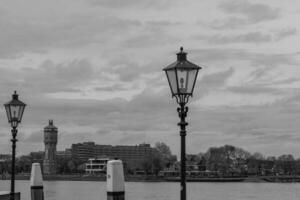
(86, 190)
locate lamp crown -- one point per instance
(181, 56)
(15, 96)
(51, 122)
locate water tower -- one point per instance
(50, 140)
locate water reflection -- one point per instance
(90, 190)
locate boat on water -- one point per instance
(200, 176)
(207, 179)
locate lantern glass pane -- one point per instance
(182, 81)
(8, 113)
(14, 109)
(171, 74)
(191, 80)
(21, 111)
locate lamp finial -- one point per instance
(15, 95)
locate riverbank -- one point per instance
(79, 177)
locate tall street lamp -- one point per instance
(182, 76)
(14, 110)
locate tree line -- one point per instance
(230, 160)
(225, 160)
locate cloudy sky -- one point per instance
(95, 68)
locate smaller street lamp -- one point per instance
(14, 110)
(182, 76)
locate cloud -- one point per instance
(248, 13)
(129, 69)
(252, 37)
(49, 77)
(3, 134)
(145, 4)
(211, 55)
(216, 80)
(228, 23)
(76, 71)
(149, 39)
(126, 68)
(115, 115)
(35, 137)
(103, 132)
(286, 81)
(284, 33)
(255, 12)
(252, 89)
(69, 138)
(246, 121)
(153, 33)
(132, 138)
(22, 34)
(112, 88)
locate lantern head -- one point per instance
(14, 110)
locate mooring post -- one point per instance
(115, 180)
(36, 182)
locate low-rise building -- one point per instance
(96, 165)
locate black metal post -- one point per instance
(182, 111)
(14, 132)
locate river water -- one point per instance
(90, 190)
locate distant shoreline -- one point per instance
(256, 179)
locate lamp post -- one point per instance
(182, 76)
(14, 110)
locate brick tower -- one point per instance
(50, 140)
